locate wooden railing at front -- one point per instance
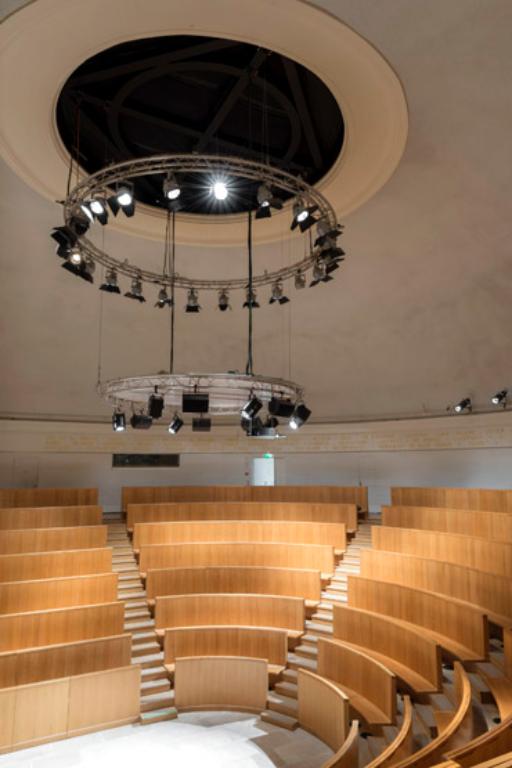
(486, 591)
(496, 741)
(49, 517)
(33, 665)
(314, 556)
(227, 609)
(293, 582)
(331, 534)
(70, 706)
(405, 650)
(482, 554)
(220, 682)
(323, 709)
(302, 493)
(370, 686)
(23, 540)
(402, 744)
(456, 626)
(52, 565)
(63, 625)
(168, 512)
(468, 522)
(47, 497)
(253, 642)
(457, 498)
(47, 594)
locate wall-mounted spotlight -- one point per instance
(224, 300)
(266, 201)
(124, 199)
(118, 421)
(251, 300)
(192, 301)
(300, 280)
(171, 188)
(278, 294)
(175, 425)
(299, 417)
(163, 299)
(110, 285)
(155, 404)
(135, 291)
(303, 215)
(464, 405)
(220, 189)
(500, 398)
(251, 408)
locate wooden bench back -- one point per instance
(254, 642)
(323, 709)
(47, 594)
(457, 498)
(220, 682)
(49, 517)
(47, 497)
(52, 565)
(468, 522)
(24, 540)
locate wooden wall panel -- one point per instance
(488, 592)
(361, 675)
(458, 626)
(34, 665)
(468, 522)
(482, 554)
(221, 683)
(64, 625)
(296, 582)
(420, 655)
(162, 512)
(44, 594)
(7, 708)
(47, 497)
(302, 493)
(330, 534)
(313, 556)
(242, 610)
(253, 642)
(49, 517)
(104, 699)
(322, 709)
(41, 712)
(21, 541)
(457, 498)
(52, 565)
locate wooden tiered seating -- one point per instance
(46, 565)
(468, 522)
(322, 709)
(47, 497)
(402, 745)
(456, 498)
(46, 594)
(23, 540)
(488, 746)
(49, 517)
(220, 682)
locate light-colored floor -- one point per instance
(194, 740)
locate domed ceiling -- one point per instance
(418, 316)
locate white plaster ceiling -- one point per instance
(417, 317)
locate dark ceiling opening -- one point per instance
(204, 95)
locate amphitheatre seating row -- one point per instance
(284, 532)
(47, 711)
(50, 517)
(347, 756)
(291, 582)
(486, 591)
(482, 524)
(323, 709)
(497, 741)
(24, 540)
(406, 651)
(61, 625)
(402, 745)
(369, 685)
(456, 498)
(459, 628)
(47, 497)
(220, 682)
(169, 512)
(33, 665)
(251, 642)
(482, 554)
(302, 493)
(313, 556)
(47, 594)
(47, 565)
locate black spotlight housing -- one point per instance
(224, 300)
(155, 404)
(135, 291)
(141, 421)
(281, 407)
(251, 300)
(118, 421)
(266, 201)
(195, 402)
(122, 199)
(278, 294)
(192, 301)
(201, 424)
(83, 270)
(110, 285)
(65, 238)
(163, 299)
(500, 398)
(251, 408)
(299, 417)
(303, 216)
(175, 425)
(464, 405)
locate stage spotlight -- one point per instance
(220, 190)
(135, 291)
(324, 232)
(201, 424)
(192, 301)
(224, 300)
(141, 421)
(332, 257)
(266, 201)
(98, 208)
(500, 398)
(118, 421)
(300, 280)
(75, 255)
(303, 216)
(251, 300)
(124, 199)
(171, 187)
(163, 299)
(175, 425)
(464, 405)
(65, 238)
(278, 294)
(110, 285)
(79, 222)
(319, 273)
(299, 417)
(251, 408)
(281, 407)
(84, 268)
(155, 404)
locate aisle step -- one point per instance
(144, 649)
(323, 617)
(130, 626)
(306, 651)
(335, 597)
(152, 673)
(158, 715)
(155, 686)
(284, 688)
(290, 676)
(136, 613)
(157, 701)
(139, 595)
(301, 662)
(148, 662)
(276, 718)
(282, 704)
(322, 629)
(140, 638)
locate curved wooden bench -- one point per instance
(291, 582)
(250, 642)
(167, 512)
(410, 655)
(370, 686)
(457, 498)
(46, 594)
(47, 497)
(25, 540)
(488, 746)
(401, 746)
(348, 754)
(489, 593)
(322, 709)
(457, 627)
(50, 517)
(47, 565)
(468, 522)
(312, 556)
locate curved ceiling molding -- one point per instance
(366, 88)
